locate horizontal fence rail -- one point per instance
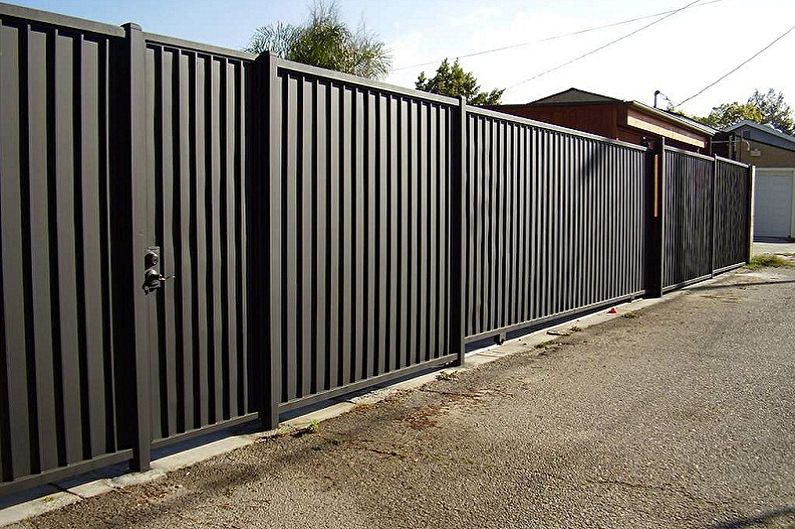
(192, 238)
(555, 222)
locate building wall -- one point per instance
(603, 119)
(770, 156)
(598, 119)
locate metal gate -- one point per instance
(195, 270)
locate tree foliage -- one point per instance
(451, 80)
(325, 41)
(766, 108)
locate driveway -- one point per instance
(680, 417)
(779, 247)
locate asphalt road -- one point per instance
(683, 416)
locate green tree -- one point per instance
(451, 80)
(325, 41)
(766, 108)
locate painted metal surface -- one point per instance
(555, 222)
(688, 196)
(198, 162)
(59, 364)
(732, 213)
(359, 218)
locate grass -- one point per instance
(630, 315)
(446, 375)
(546, 345)
(769, 260)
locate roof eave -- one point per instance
(704, 129)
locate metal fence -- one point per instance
(359, 213)
(555, 222)
(61, 360)
(732, 214)
(193, 238)
(688, 196)
(707, 214)
(197, 166)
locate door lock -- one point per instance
(153, 279)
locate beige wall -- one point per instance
(770, 157)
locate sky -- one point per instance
(678, 56)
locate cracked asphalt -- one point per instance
(683, 416)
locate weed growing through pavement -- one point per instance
(769, 260)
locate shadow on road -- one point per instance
(765, 519)
(737, 285)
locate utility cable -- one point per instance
(554, 37)
(603, 46)
(746, 61)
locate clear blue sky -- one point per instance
(678, 56)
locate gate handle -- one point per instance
(154, 280)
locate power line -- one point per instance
(554, 37)
(746, 61)
(603, 46)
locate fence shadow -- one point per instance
(735, 285)
(766, 519)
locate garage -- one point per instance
(774, 195)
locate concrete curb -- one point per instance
(67, 493)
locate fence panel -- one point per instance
(60, 368)
(555, 222)
(359, 221)
(687, 249)
(198, 131)
(732, 210)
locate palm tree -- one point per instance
(325, 41)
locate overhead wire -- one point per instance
(743, 63)
(555, 37)
(603, 46)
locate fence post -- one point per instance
(750, 209)
(128, 155)
(270, 199)
(457, 227)
(656, 237)
(714, 212)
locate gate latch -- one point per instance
(153, 279)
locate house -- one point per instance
(628, 121)
(773, 154)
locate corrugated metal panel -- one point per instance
(56, 335)
(687, 249)
(197, 131)
(361, 230)
(555, 222)
(732, 189)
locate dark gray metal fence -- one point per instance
(707, 214)
(732, 214)
(688, 217)
(193, 238)
(62, 360)
(198, 163)
(555, 222)
(359, 216)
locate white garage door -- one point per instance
(773, 203)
